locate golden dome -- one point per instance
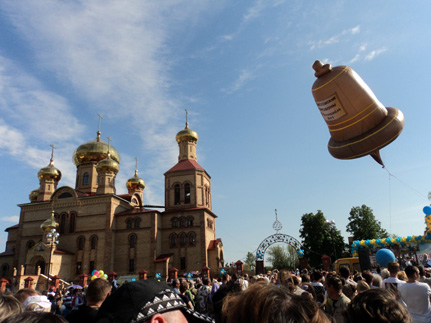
(49, 172)
(107, 165)
(187, 134)
(135, 182)
(94, 151)
(49, 224)
(33, 195)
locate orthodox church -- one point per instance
(102, 230)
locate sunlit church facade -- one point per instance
(102, 230)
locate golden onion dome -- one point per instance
(49, 224)
(33, 195)
(49, 172)
(187, 134)
(135, 182)
(107, 165)
(94, 151)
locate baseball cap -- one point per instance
(138, 301)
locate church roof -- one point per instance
(7, 253)
(16, 226)
(163, 257)
(213, 244)
(185, 165)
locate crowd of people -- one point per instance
(390, 295)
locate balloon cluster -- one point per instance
(189, 276)
(385, 242)
(259, 255)
(222, 272)
(158, 277)
(98, 274)
(300, 252)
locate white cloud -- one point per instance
(340, 37)
(13, 218)
(373, 54)
(244, 76)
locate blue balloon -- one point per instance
(384, 256)
(427, 210)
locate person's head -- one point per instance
(334, 286)
(97, 291)
(368, 277)
(23, 293)
(384, 273)
(264, 303)
(35, 317)
(421, 270)
(9, 306)
(412, 273)
(305, 278)
(362, 286)
(184, 286)
(38, 303)
(344, 272)
(225, 278)
(393, 268)
(402, 275)
(205, 281)
(317, 276)
(146, 301)
(377, 281)
(376, 306)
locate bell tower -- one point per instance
(187, 184)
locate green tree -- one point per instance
(363, 224)
(250, 260)
(283, 258)
(320, 237)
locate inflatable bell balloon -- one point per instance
(358, 123)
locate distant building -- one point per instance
(102, 230)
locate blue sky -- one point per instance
(243, 71)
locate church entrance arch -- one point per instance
(273, 239)
(35, 262)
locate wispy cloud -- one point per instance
(13, 218)
(373, 54)
(244, 77)
(334, 39)
(124, 73)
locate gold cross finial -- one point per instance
(187, 119)
(136, 167)
(52, 154)
(100, 118)
(276, 217)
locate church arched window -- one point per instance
(192, 238)
(190, 220)
(173, 240)
(63, 219)
(174, 222)
(81, 243)
(137, 222)
(177, 194)
(93, 242)
(72, 222)
(85, 179)
(132, 241)
(129, 223)
(4, 270)
(183, 239)
(182, 222)
(187, 193)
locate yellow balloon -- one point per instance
(101, 272)
(93, 277)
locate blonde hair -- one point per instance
(402, 276)
(362, 286)
(9, 306)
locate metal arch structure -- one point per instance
(267, 242)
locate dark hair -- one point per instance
(411, 270)
(335, 282)
(35, 317)
(317, 275)
(368, 276)
(393, 267)
(376, 305)
(184, 286)
(205, 281)
(344, 272)
(98, 290)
